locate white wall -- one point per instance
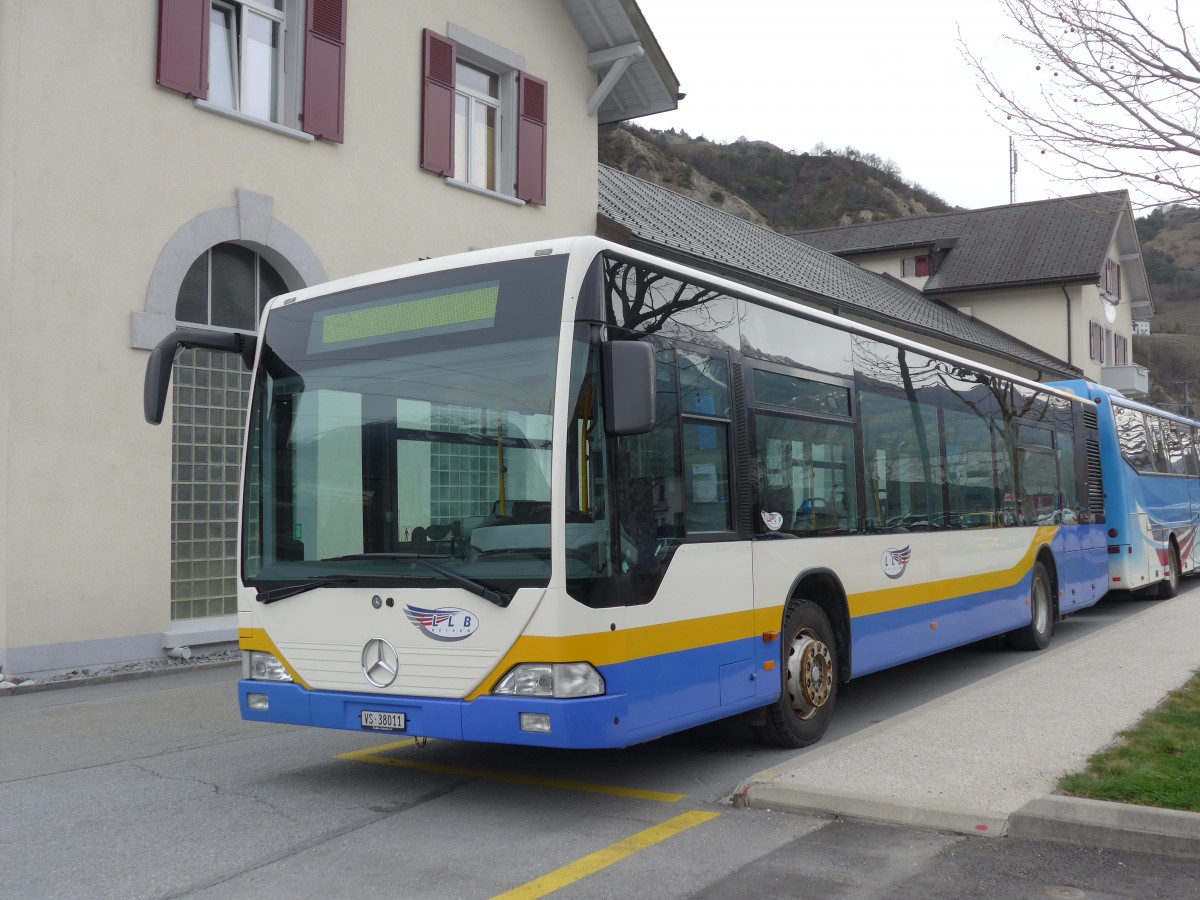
(100, 168)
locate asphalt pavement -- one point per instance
(985, 759)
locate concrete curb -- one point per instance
(768, 795)
(1117, 826)
(102, 678)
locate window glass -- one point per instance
(794, 342)
(806, 475)
(260, 92)
(790, 392)
(704, 384)
(1187, 437)
(1068, 486)
(227, 287)
(1158, 443)
(970, 471)
(648, 490)
(706, 477)
(1028, 436)
(903, 463)
(234, 285)
(1038, 487)
(649, 302)
(477, 121)
(245, 57)
(222, 60)
(1131, 432)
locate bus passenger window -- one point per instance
(805, 475)
(706, 477)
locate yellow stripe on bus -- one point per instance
(868, 603)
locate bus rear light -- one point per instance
(1113, 550)
(551, 680)
(1112, 532)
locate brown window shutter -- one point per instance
(183, 46)
(531, 139)
(325, 70)
(437, 104)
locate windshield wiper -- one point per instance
(303, 587)
(468, 584)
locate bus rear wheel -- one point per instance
(809, 679)
(1036, 635)
(1170, 587)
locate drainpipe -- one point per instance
(1068, 299)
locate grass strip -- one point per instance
(1155, 763)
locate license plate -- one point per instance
(383, 721)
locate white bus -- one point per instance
(567, 494)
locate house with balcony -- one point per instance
(177, 163)
(1064, 275)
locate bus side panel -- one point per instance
(1083, 566)
(902, 635)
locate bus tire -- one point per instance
(1036, 635)
(1170, 587)
(809, 679)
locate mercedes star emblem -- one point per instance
(379, 662)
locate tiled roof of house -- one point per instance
(1045, 241)
(661, 221)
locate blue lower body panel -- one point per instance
(647, 698)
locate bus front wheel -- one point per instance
(809, 679)
(1036, 635)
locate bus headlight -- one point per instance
(552, 680)
(259, 666)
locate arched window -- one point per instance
(226, 289)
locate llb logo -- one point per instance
(449, 623)
(895, 561)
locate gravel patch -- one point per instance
(17, 684)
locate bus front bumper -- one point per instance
(586, 722)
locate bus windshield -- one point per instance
(394, 425)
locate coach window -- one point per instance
(1131, 432)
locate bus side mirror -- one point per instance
(162, 358)
(629, 401)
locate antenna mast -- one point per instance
(1012, 171)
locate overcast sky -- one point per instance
(881, 76)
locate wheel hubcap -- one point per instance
(1041, 606)
(809, 674)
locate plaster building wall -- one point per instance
(109, 184)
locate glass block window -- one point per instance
(211, 395)
(226, 288)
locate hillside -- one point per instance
(760, 182)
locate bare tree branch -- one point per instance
(1120, 93)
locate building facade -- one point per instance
(1065, 275)
(175, 164)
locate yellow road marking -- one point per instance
(602, 859)
(370, 755)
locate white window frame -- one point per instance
(466, 137)
(483, 54)
(288, 74)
